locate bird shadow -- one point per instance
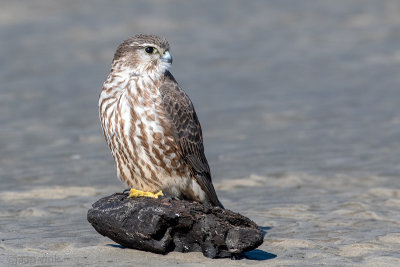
(264, 229)
(258, 255)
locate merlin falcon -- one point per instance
(151, 127)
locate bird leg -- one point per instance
(139, 193)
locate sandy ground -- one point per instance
(299, 103)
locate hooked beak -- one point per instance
(166, 57)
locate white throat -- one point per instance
(127, 72)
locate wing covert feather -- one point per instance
(188, 134)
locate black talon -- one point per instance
(126, 191)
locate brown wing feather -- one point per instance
(188, 134)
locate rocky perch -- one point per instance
(164, 225)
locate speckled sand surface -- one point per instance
(300, 107)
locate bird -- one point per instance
(151, 126)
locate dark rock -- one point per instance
(163, 225)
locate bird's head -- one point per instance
(144, 55)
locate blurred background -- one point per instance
(292, 89)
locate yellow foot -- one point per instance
(139, 193)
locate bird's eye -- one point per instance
(150, 50)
